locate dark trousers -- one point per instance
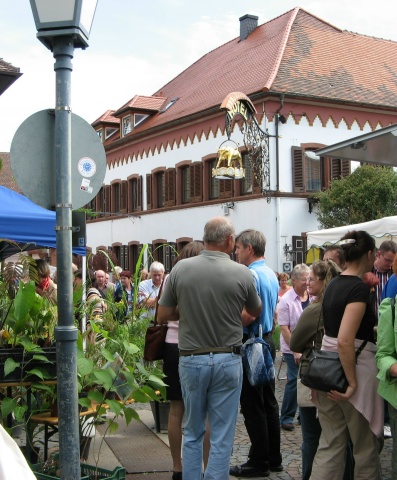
(260, 409)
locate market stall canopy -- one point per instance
(381, 229)
(378, 147)
(25, 223)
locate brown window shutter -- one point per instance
(345, 168)
(108, 204)
(149, 200)
(225, 188)
(339, 168)
(298, 170)
(170, 175)
(139, 190)
(124, 195)
(196, 182)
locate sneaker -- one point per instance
(387, 431)
(177, 476)
(248, 470)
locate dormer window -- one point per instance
(126, 125)
(138, 118)
(109, 132)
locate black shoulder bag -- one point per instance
(324, 370)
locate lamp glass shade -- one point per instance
(64, 14)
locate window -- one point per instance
(99, 133)
(311, 173)
(160, 188)
(109, 132)
(219, 188)
(138, 118)
(135, 194)
(248, 184)
(126, 125)
(116, 193)
(185, 184)
(214, 183)
(196, 182)
(149, 200)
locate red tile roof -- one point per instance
(141, 102)
(108, 118)
(297, 54)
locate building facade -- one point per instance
(306, 84)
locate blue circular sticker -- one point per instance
(86, 167)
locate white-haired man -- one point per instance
(149, 289)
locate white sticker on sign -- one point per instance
(85, 186)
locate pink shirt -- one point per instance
(289, 311)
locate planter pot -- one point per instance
(27, 362)
(160, 412)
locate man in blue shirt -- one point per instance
(259, 404)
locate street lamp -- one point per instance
(62, 26)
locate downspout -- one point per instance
(278, 200)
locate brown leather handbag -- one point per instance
(155, 336)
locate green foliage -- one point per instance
(369, 193)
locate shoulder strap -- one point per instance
(157, 303)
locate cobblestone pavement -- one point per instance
(291, 441)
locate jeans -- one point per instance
(211, 385)
(261, 417)
(290, 403)
(311, 431)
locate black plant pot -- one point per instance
(160, 411)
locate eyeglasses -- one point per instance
(388, 260)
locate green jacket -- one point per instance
(386, 354)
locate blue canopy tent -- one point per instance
(27, 224)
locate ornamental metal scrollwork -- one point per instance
(256, 141)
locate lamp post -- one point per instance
(62, 26)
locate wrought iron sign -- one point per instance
(256, 141)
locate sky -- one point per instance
(137, 46)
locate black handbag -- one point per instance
(324, 370)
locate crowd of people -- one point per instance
(212, 305)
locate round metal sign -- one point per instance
(33, 163)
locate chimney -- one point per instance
(248, 23)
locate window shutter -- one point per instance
(298, 170)
(345, 168)
(149, 194)
(339, 168)
(225, 188)
(139, 190)
(107, 203)
(196, 182)
(124, 196)
(170, 175)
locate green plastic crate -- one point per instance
(88, 472)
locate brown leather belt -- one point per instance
(236, 349)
